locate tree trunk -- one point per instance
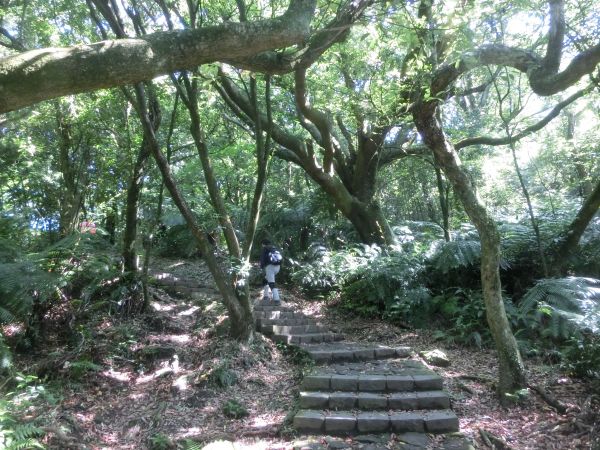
(443, 193)
(263, 154)
(512, 375)
(234, 295)
(73, 162)
(572, 235)
(152, 110)
(191, 102)
(368, 220)
(131, 208)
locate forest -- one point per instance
(428, 169)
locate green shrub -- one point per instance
(327, 270)
(462, 311)
(160, 441)
(14, 434)
(222, 376)
(77, 369)
(582, 356)
(235, 410)
(385, 284)
(175, 242)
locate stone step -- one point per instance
(293, 329)
(271, 306)
(374, 400)
(352, 422)
(372, 383)
(307, 338)
(263, 322)
(350, 351)
(276, 314)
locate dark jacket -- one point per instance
(264, 256)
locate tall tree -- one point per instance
(545, 78)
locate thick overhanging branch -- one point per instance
(543, 74)
(234, 95)
(47, 73)
(583, 64)
(335, 31)
(501, 55)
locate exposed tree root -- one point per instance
(549, 398)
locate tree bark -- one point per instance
(134, 190)
(189, 95)
(349, 181)
(73, 162)
(47, 73)
(443, 194)
(572, 235)
(512, 375)
(235, 297)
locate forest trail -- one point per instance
(360, 388)
(163, 380)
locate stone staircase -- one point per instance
(358, 388)
(355, 388)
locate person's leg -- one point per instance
(271, 271)
(266, 290)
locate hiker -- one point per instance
(270, 262)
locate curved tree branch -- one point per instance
(47, 73)
(487, 140)
(336, 31)
(318, 118)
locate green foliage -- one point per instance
(462, 312)
(222, 376)
(327, 269)
(386, 284)
(79, 368)
(297, 355)
(160, 441)
(189, 444)
(235, 410)
(560, 307)
(582, 356)
(177, 241)
(14, 434)
(457, 254)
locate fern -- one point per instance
(13, 434)
(456, 254)
(564, 305)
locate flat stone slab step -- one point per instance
(390, 366)
(352, 422)
(341, 400)
(307, 338)
(293, 329)
(278, 314)
(264, 322)
(268, 305)
(372, 383)
(328, 353)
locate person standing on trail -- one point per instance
(270, 262)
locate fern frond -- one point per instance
(26, 444)
(573, 300)
(455, 254)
